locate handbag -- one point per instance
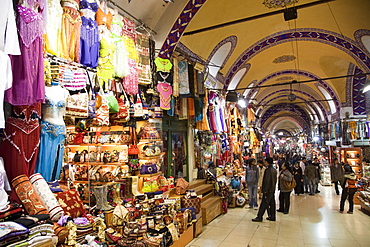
(191, 202)
(148, 168)
(153, 239)
(138, 107)
(133, 149)
(123, 114)
(181, 186)
(77, 105)
(92, 100)
(112, 102)
(102, 113)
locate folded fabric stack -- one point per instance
(40, 231)
(11, 232)
(10, 212)
(84, 228)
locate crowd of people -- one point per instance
(299, 175)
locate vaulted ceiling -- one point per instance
(329, 38)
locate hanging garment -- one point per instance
(176, 79)
(9, 42)
(184, 87)
(51, 152)
(5, 83)
(28, 83)
(53, 27)
(144, 70)
(165, 95)
(89, 42)
(4, 186)
(164, 64)
(71, 30)
(203, 124)
(353, 129)
(131, 81)
(120, 59)
(20, 145)
(105, 70)
(104, 18)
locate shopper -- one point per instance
(298, 176)
(268, 190)
(311, 174)
(303, 165)
(284, 195)
(251, 178)
(262, 169)
(349, 189)
(318, 171)
(336, 174)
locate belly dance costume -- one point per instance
(52, 139)
(20, 145)
(28, 81)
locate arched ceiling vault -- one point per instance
(323, 42)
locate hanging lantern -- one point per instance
(232, 96)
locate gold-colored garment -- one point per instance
(353, 128)
(70, 34)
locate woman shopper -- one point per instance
(251, 178)
(349, 188)
(284, 196)
(298, 176)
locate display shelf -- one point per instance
(99, 163)
(149, 140)
(150, 175)
(352, 156)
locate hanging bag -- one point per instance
(92, 100)
(123, 114)
(133, 149)
(138, 107)
(77, 105)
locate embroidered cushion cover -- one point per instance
(71, 203)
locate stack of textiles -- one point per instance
(10, 212)
(11, 232)
(40, 231)
(84, 228)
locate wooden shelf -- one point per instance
(150, 140)
(150, 175)
(96, 144)
(99, 163)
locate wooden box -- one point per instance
(198, 227)
(185, 237)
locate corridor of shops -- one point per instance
(312, 221)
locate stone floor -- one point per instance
(312, 221)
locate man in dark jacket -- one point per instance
(311, 173)
(318, 170)
(336, 174)
(268, 190)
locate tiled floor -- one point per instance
(312, 221)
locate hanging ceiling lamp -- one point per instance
(232, 96)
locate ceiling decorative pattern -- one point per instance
(332, 93)
(303, 34)
(298, 97)
(294, 109)
(179, 27)
(304, 93)
(359, 100)
(284, 78)
(279, 3)
(358, 34)
(284, 59)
